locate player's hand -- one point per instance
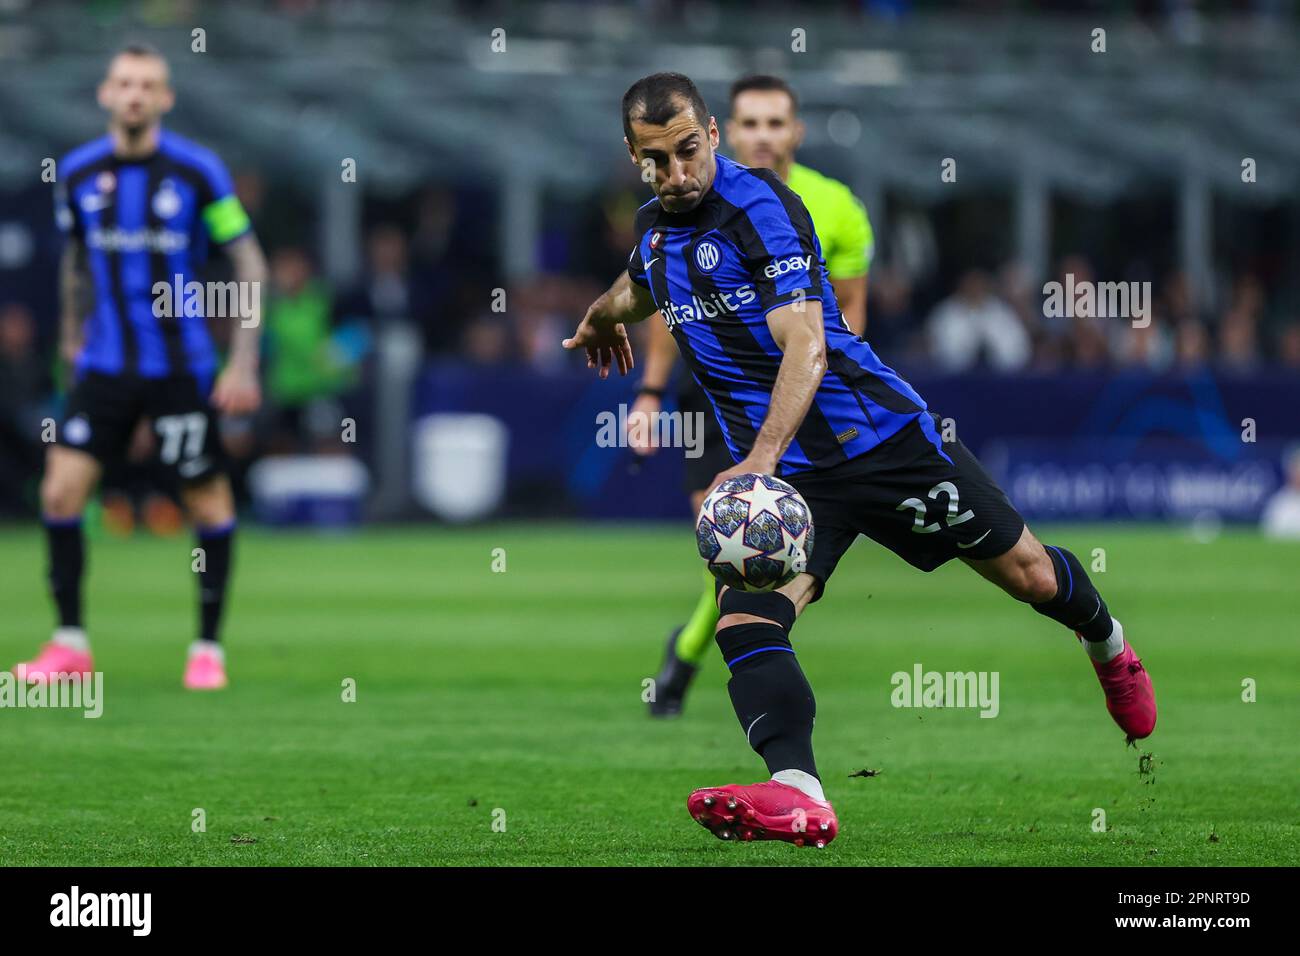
(640, 440)
(752, 465)
(237, 391)
(605, 345)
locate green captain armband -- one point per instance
(225, 219)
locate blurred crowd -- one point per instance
(919, 315)
(429, 263)
(996, 320)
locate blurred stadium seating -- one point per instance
(480, 171)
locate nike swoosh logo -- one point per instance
(751, 726)
(652, 262)
(189, 469)
(976, 541)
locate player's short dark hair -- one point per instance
(764, 82)
(659, 97)
(139, 48)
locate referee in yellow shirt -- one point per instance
(764, 130)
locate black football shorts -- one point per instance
(103, 411)
(926, 500)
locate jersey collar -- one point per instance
(141, 160)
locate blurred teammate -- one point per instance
(140, 206)
(729, 256)
(764, 131)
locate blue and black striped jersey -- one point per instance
(145, 221)
(717, 271)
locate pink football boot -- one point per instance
(56, 657)
(764, 811)
(206, 668)
(1130, 698)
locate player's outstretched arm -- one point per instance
(797, 330)
(601, 331)
(76, 291)
(237, 390)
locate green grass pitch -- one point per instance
(498, 716)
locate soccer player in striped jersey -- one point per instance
(728, 255)
(764, 130)
(140, 207)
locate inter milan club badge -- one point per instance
(105, 182)
(707, 256)
(166, 201)
(655, 239)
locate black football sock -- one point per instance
(1077, 604)
(771, 696)
(67, 562)
(216, 544)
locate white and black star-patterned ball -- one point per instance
(755, 532)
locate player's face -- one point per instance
(136, 92)
(763, 130)
(680, 154)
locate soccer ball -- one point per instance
(755, 532)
